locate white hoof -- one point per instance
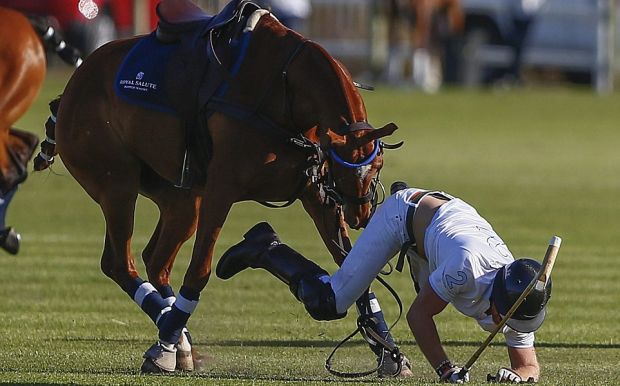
(185, 359)
(159, 358)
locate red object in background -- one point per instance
(115, 19)
(66, 11)
(63, 10)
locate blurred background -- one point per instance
(534, 160)
(424, 44)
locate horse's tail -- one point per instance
(52, 37)
(48, 146)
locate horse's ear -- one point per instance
(372, 135)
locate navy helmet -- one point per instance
(397, 186)
(509, 283)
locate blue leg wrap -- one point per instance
(148, 299)
(5, 199)
(167, 294)
(376, 313)
(173, 322)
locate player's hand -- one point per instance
(506, 375)
(453, 375)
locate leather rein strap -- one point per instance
(365, 326)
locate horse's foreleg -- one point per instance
(330, 224)
(213, 211)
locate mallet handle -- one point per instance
(539, 282)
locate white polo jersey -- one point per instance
(463, 251)
(464, 254)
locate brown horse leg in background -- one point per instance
(420, 18)
(428, 56)
(22, 70)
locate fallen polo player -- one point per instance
(455, 256)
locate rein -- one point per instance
(366, 327)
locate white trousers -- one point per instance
(382, 239)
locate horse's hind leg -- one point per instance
(213, 210)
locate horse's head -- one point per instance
(304, 90)
(355, 159)
(354, 147)
(328, 101)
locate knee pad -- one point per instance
(318, 298)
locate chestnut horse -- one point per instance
(291, 125)
(22, 70)
(428, 24)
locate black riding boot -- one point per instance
(261, 248)
(245, 254)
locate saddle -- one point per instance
(192, 72)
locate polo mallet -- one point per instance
(539, 282)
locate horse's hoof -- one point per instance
(185, 360)
(245, 253)
(389, 368)
(9, 240)
(159, 359)
(149, 367)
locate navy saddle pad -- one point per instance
(150, 75)
(141, 77)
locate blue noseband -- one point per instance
(365, 162)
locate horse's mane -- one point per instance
(353, 101)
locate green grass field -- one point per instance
(534, 162)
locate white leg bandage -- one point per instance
(142, 292)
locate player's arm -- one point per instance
(420, 318)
